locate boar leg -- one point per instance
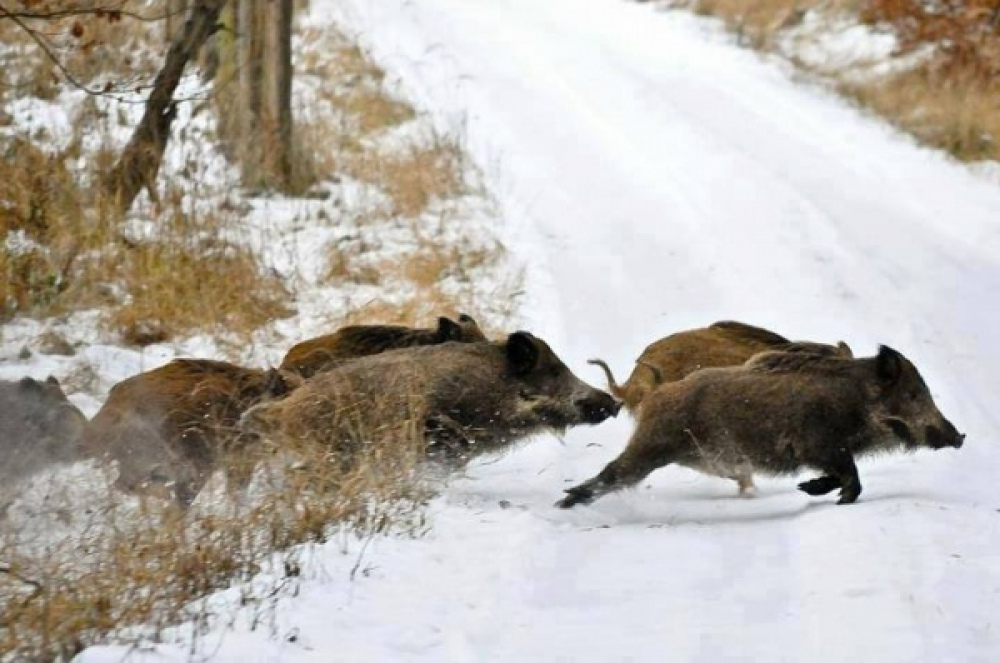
(843, 469)
(820, 486)
(746, 485)
(632, 466)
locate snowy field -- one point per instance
(654, 178)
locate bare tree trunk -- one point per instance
(278, 47)
(140, 161)
(176, 10)
(227, 89)
(249, 52)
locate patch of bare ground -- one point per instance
(939, 84)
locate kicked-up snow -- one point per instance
(654, 178)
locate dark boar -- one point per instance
(318, 354)
(725, 343)
(39, 428)
(169, 428)
(778, 414)
(458, 400)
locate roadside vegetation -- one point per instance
(383, 219)
(938, 82)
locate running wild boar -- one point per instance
(318, 354)
(778, 414)
(456, 400)
(170, 428)
(39, 428)
(725, 343)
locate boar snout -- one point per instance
(944, 436)
(598, 406)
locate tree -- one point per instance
(259, 126)
(140, 161)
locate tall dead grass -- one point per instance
(946, 99)
(64, 250)
(127, 573)
(758, 23)
(950, 99)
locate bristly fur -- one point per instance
(324, 352)
(469, 398)
(725, 343)
(778, 414)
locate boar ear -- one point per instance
(275, 383)
(889, 364)
(30, 383)
(448, 330)
(522, 352)
(467, 320)
(845, 350)
(52, 381)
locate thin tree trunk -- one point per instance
(279, 90)
(248, 58)
(140, 161)
(176, 10)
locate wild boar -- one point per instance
(318, 354)
(39, 428)
(169, 428)
(779, 414)
(456, 399)
(725, 343)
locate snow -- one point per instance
(653, 178)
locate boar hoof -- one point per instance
(576, 496)
(848, 497)
(820, 486)
(747, 488)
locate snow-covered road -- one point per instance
(656, 178)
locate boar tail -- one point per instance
(613, 387)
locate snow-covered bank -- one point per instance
(657, 178)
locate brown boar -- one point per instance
(777, 415)
(169, 428)
(456, 400)
(39, 428)
(725, 343)
(318, 354)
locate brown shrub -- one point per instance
(180, 285)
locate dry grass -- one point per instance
(414, 176)
(64, 251)
(947, 100)
(759, 22)
(960, 115)
(124, 567)
(182, 286)
(127, 573)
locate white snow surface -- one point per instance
(654, 178)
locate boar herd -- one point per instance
(729, 400)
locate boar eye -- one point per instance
(528, 395)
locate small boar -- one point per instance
(725, 343)
(460, 399)
(318, 354)
(39, 427)
(169, 428)
(778, 414)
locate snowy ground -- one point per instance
(654, 178)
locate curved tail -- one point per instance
(613, 387)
